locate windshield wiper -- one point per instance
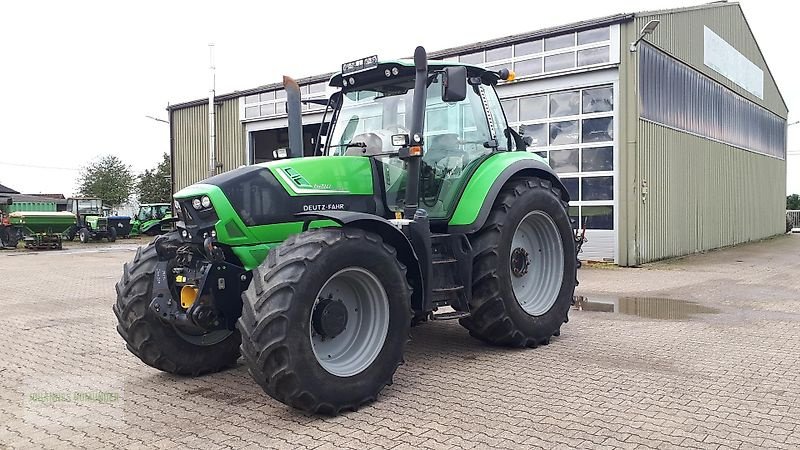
(351, 144)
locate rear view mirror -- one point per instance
(454, 85)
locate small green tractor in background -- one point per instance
(314, 268)
(152, 219)
(90, 225)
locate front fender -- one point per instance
(484, 186)
(389, 233)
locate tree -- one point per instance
(793, 202)
(107, 178)
(154, 185)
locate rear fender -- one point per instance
(389, 233)
(483, 188)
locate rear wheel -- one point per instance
(326, 319)
(525, 267)
(156, 343)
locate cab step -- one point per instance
(444, 261)
(450, 315)
(447, 290)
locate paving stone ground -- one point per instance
(721, 379)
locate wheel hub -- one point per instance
(520, 261)
(329, 318)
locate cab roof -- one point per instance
(405, 69)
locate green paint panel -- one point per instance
(324, 175)
(31, 206)
(478, 187)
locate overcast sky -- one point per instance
(78, 78)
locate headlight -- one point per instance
(206, 201)
(196, 204)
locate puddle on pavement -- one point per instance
(647, 307)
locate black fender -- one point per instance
(518, 169)
(389, 233)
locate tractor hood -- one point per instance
(242, 204)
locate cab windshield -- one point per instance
(89, 206)
(152, 212)
(456, 136)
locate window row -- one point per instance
(569, 132)
(559, 104)
(589, 188)
(593, 217)
(268, 109)
(587, 159)
(308, 89)
(559, 61)
(538, 46)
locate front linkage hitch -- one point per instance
(208, 288)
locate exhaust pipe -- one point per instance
(295, 117)
(415, 145)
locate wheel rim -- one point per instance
(536, 263)
(205, 339)
(349, 322)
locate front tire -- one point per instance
(326, 320)
(524, 270)
(84, 235)
(156, 343)
(112, 234)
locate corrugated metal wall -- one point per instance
(680, 34)
(190, 141)
(704, 194)
(701, 194)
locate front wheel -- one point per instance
(84, 235)
(112, 234)
(156, 343)
(326, 319)
(524, 272)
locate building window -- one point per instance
(559, 61)
(557, 42)
(574, 132)
(590, 56)
(593, 35)
(273, 103)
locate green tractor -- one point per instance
(152, 219)
(91, 225)
(422, 204)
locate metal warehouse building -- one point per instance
(669, 147)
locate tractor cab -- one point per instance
(463, 125)
(152, 219)
(150, 211)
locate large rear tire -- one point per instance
(525, 266)
(156, 343)
(326, 320)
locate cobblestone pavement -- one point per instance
(726, 376)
